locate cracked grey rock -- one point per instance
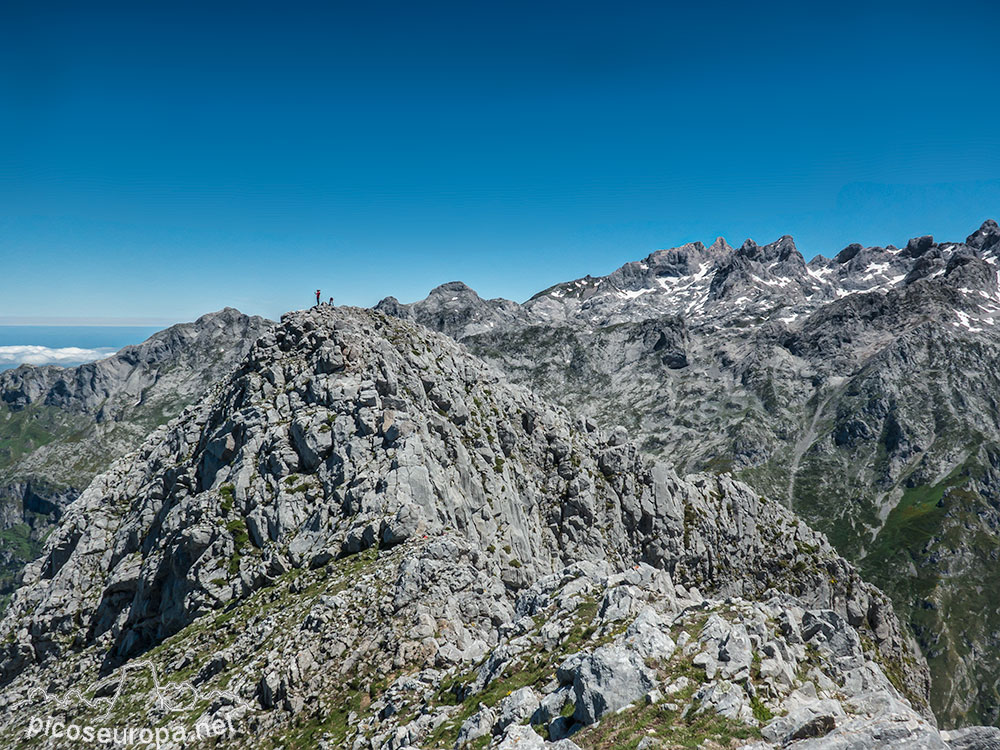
(606, 680)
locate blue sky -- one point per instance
(161, 160)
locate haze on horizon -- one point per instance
(164, 160)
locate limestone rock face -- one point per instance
(606, 680)
(61, 426)
(398, 521)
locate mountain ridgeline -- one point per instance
(861, 391)
(59, 427)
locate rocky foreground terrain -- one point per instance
(366, 537)
(59, 427)
(859, 390)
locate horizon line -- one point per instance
(95, 322)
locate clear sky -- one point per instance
(159, 160)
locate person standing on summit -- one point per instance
(317, 297)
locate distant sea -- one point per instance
(56, 344)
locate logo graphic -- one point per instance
(41, 711)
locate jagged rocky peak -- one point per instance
(857, 269)
(715, 286)
(667, 282)
(759, 279)
(687, 260)
(362, 496)
(719, 248)
(455, 309)
(917, 246)
(781, 250)
(847, 254)
(985, 238)
(453, 288)
(660, 266)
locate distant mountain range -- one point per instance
(860, 390)
(59, 427)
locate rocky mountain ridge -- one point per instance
(723, 286)
(858, 389)
(60, 426)
(365, 537)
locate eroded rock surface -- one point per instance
(367, 538)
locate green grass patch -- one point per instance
(17, 539)
(624, 731)
(228, 494)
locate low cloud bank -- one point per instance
(46, 355)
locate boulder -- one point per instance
(606, 680)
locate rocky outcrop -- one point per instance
(59, 427)
(367, 537)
